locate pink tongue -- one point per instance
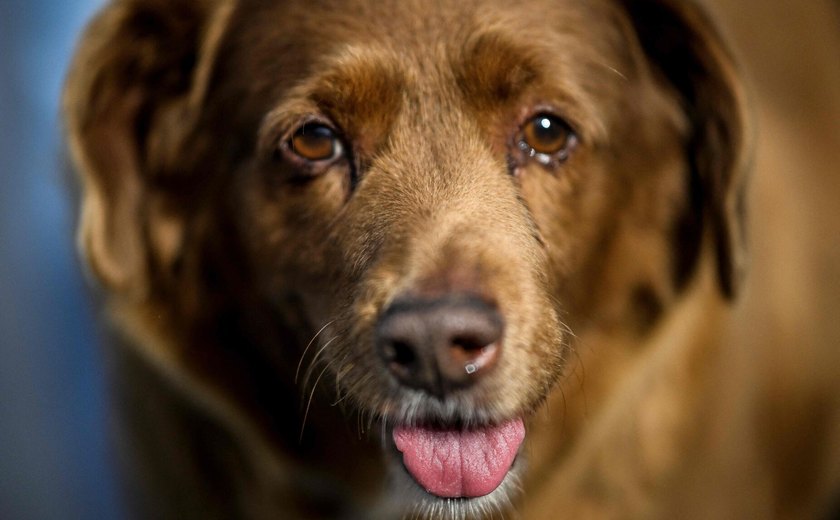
(453, 463)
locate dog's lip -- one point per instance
(454, 462)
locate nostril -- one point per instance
(471, 347)
(400, 353)
(468, 343)
(469, 357)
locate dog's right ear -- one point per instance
(130, 100)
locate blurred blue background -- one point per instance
(54, 449)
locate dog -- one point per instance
(437, 259)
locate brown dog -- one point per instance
(443, 259)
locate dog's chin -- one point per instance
(411, 500)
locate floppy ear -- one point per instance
(682, 44)
(130, 101)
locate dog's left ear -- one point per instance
(681, 42)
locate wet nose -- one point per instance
(439, 344)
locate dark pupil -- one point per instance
(314, 142)
(547, 133)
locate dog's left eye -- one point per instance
(547, 138)
(315, 142)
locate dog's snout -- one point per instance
(439, 344)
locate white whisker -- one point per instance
(314, 361)
(309, 345)
(311, 395)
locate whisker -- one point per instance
(384, 427)
(613, 69)
(566, 328)
(338, 376)
(311, 395)
(302, 356)
(314, 362)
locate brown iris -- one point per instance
(315, 142)
(547, 135)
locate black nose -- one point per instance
(439, 344)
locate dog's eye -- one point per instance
(547, 137)
(315, 142)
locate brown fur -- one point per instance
(248, 286)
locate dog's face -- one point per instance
(444, 192)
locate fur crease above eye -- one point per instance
(315, 142)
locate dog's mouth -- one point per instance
(456, 462)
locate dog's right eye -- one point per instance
(315, 142)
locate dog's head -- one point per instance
(441, 191)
